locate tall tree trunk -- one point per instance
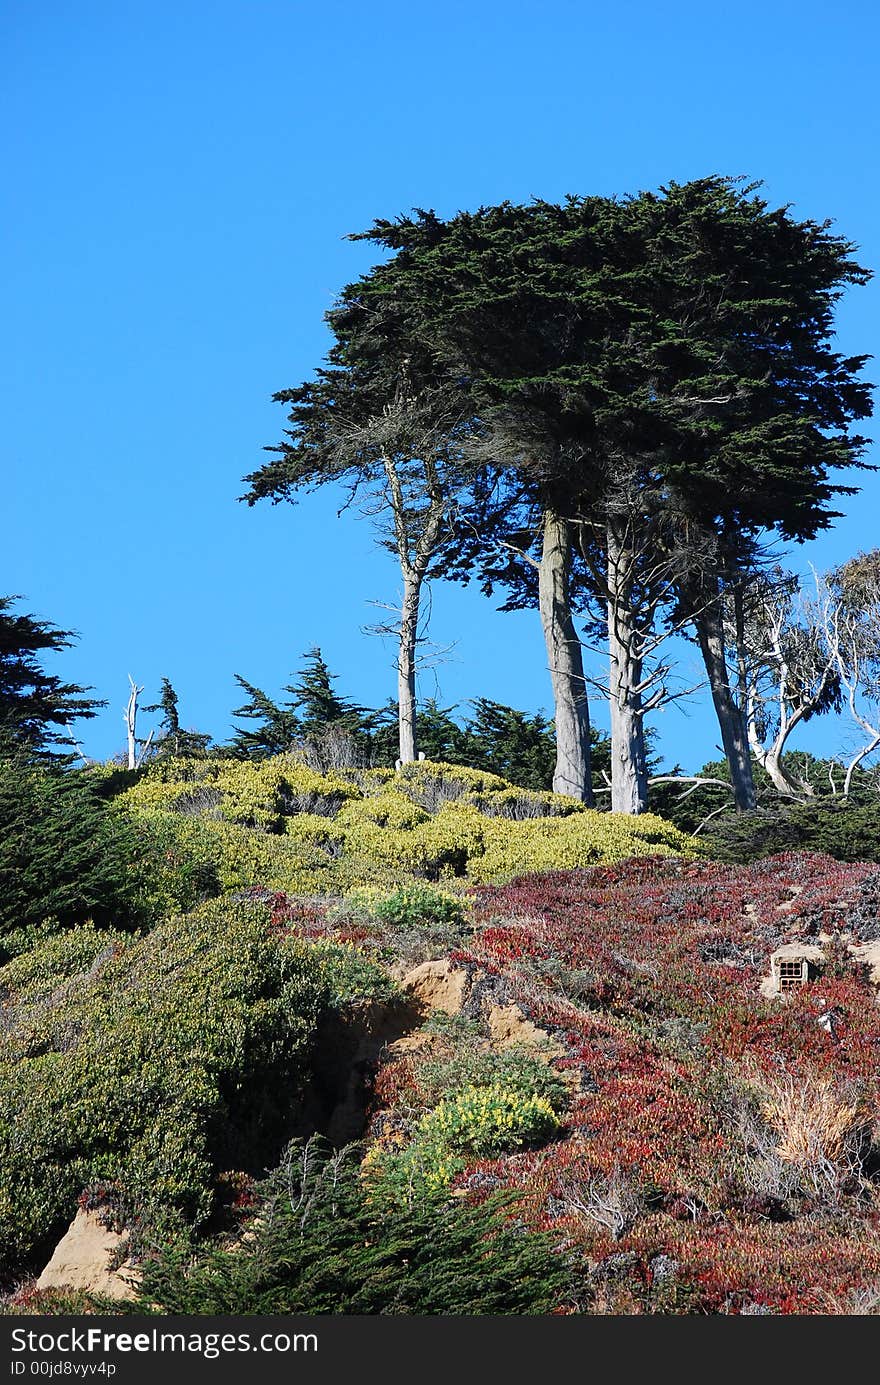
(406, 668)
(130, 718)
(629, 771)
(415, 549)
(731, 718)
(565, 659)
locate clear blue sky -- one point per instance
(179, 179)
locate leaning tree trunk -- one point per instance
(771, 763)
(564, 656)
(731, 718)
(770, 760)
(629, 770)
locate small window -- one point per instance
(792, 974)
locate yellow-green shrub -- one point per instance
(386, 809)
(255, 793)
(480, 1121)
(521, 804)
(455, 779)
(483, 829)
(584, 839)
(415, 905)
(485, 1121)
(263, 792)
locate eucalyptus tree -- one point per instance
(849, 603)
(787, 672)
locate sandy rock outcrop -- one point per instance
(509, 1028)
(438, 986)
(83, 1257)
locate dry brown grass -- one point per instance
(821, 1129)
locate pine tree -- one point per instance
(511, 743)
(36, 708)
(277, 727)
(173, 739)
(325, 1240)
(65, 856)
(317, 703)
(315, 719)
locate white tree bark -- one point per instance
(629, 773)
(853, 640)
(793, 698)
(572, 775)
(416, 533)
(130, 718)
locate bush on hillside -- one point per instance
(325, 1241)
(156, 1063)
(846, 831)
(416, 904)
(65, 855)
(514, 1069)
(430, 822)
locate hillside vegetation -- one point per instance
(595, 1089)
(277, 824)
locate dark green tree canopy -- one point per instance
(317, 702)
(685, 334)
(36, 707)
(313, 708)
(65, 856)
(174, 739)
(275, 729)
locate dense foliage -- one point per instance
(330, 833)
(155, 1064)
(324, 1241)
(36, 707)
(845, 830)
(65, 855)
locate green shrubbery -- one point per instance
(476, 1121)
(848, 832)
(65, 855)
(415, 905)
(326, 1241)
(156, 1062)
(514, 1069)
(485, 1121)
(281, 826)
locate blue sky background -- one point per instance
(179, 180)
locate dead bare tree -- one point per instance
(136, 749)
